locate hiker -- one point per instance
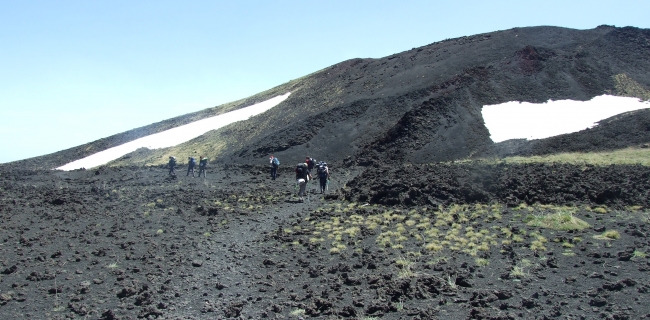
(203, 163)
(323, 176)
(191, 162)
(310, 163)
(275, 163)
(302, 177)
(172, 165)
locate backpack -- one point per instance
(192, 161)
(322, 171)
(172, 161)
(300, 171)
(276, 162)
(203, 162)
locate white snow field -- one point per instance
(515, 120)
(174, 136)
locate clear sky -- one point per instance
(75, 71)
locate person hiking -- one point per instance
(172, 165)
(203, 163)
(302, 177)
(191, 162)
(323, 176)
(310, 163)
(275, 163)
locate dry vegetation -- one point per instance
(627, 156)
(627, 87)
(466, 229)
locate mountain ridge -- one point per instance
(370, 108)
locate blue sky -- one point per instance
(76, 71)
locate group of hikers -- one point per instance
(303, 171)
(303, 174)
(191, 163)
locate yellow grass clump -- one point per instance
(559, 221)
(608, 235)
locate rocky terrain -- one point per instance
(525, 241)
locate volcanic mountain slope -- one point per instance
(421, 105)
(424, 104)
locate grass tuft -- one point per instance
(608, 235)
(518, 272)
(451, 281)
(482, 262)
(559, 221)
(601, 210)
(297, 313)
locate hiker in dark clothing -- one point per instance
(203, 163)
(172, 165)
(275, 163)
(302, 177)
(191, 162)
(310, 163)
(323, 176)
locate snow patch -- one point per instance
(524, 120)
(174, 136)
